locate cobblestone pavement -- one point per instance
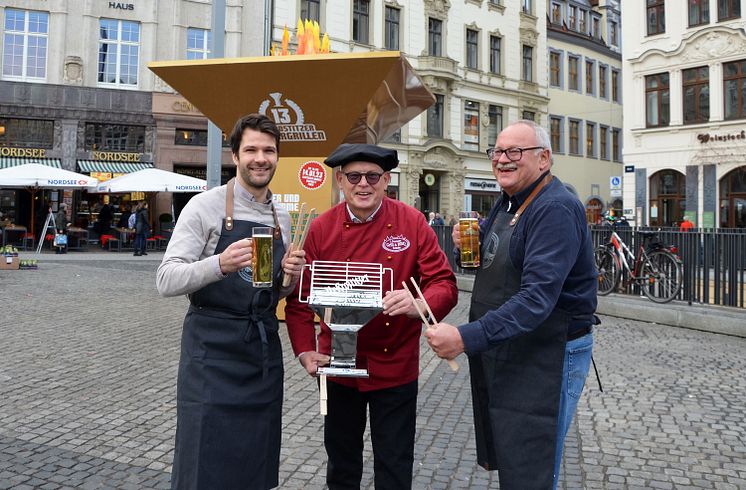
(88, 363)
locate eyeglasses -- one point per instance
(513, 154)
(371, 178)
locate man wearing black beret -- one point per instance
(370, 227)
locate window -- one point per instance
(696, 90)
(435, 118)
(590, 77)
(657, 100)
(615, 85)
(472, 49)
(495, 114)
(582, 21)
(114, 137)
(572, 73)
(616, 154)
(195, 137)
(118, 52)
(572, 17)
(699, 12)
(360, 9)
(27, 133)
(590, 140)
(25, 44)
(434, 36)
(528, 63)
(395, 137)
(311, 10)
(555, 133)
(613, 33)
(526, 6)
(554, 68)
(495, 54)
(596, 28)
(528, 115)
(734, 86)
(602, 81)
(199, 43)
(574, 137)
(656, 17)
(471, 125)
(603, 139)
(556, 13)
(729, 9)
(391, 34)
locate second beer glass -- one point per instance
(261, 236)
(468, 226)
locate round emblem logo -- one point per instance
(312, 175)
(398, 243)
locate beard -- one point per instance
(255, 181)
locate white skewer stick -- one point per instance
(295, 243)
(451, 363)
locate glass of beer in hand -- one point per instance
(468, 226)
(261, 236)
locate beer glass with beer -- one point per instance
(468, 226)
(261, 236)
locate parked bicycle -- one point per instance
(658, 270)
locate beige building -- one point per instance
(585, 100)
(685, 112)
(484, 62)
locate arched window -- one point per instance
(594, 208)
(667, 198)
(733, 199)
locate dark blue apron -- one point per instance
(230, 384)
(515, 385)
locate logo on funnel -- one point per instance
(290, 120)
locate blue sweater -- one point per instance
(552, 248)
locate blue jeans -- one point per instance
(574, 371)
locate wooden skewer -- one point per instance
(299, 236)
(302, 240)
(298, 226)
(451, 363)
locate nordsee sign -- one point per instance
(66, 182)
(190, 188)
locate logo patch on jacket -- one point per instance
(398, 243)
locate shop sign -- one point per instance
(482, 185)
(182, 105)
(23, 152)
(429, 179)
(706, 138)
(116, 156)
(121, 6)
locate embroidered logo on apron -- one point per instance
(398, 243)
(489, 250)
(246, 274)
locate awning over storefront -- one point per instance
(111, 167)
(7, 162)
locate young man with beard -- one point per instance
(530, 338)
(369, 227)
(230, 383)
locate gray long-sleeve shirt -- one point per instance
(190, 263)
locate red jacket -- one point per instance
(399, 238)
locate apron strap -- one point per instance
(530, 198)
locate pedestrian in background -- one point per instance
(369, 227)
(530, 338)
(62, 224)
(142, 228)
(230, 385)
(686, 224)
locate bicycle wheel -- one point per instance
(661, 276)
(608, 270)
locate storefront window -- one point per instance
(733, 199)
(26, 133)
(114, 137)
(667, 195)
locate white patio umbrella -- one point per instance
(35, 176)
(152, 180)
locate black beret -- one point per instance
(348, 152)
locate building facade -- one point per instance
(75, 90)
(484, 62)
(585, 100)
(684, 82)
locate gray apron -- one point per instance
(515, 385)
(230, 384)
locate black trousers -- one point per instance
(392, 424)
